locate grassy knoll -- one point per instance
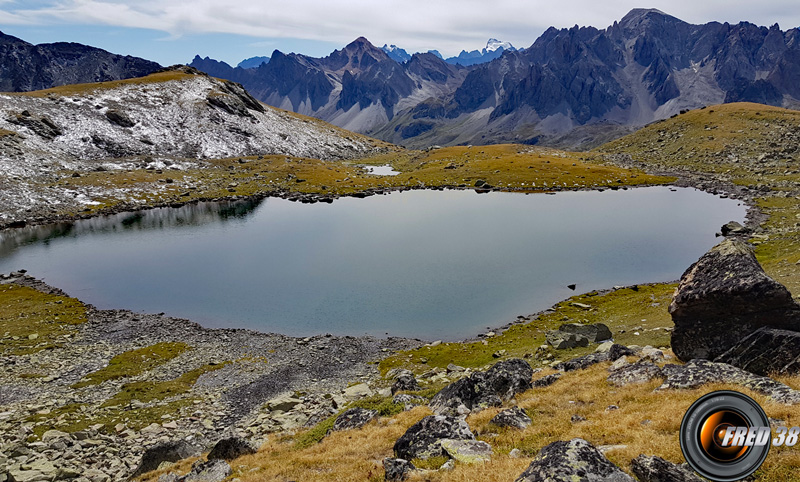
(134, 362)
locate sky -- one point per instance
(172, 31)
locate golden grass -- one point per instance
(89, 88)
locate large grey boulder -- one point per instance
(354, 418)
(484, 389)
(210, 471)
(573, 461)
(171, 451)
(423, 439)
(699, 372)
(766, 351)
(562, 340)
(593, 332)
(649, 468)
(724, 297)
(231, 448)
(405, 381)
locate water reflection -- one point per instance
(196, 214)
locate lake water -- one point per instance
(426, 264)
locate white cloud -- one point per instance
(416, 25)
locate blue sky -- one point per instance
(171, 31)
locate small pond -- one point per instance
(426, 264)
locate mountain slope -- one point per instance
(575, 87)
(25, 67)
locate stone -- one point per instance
(699, 372)
(231, 448)
(355, 392)
(515, 453)
(581, 362)
(639, 372)
(52, 435)
(172, 451)
(397, 469)
(649, 468)
(484, 389)
(734, 229)
(467, 451)
(604, 346)
(405, 382)
(210, 471)
(421, 440)
(545, 381)
(766, 351)
(573, 461)
(594, 332)
(652, 354)
(409, 401)
(616, 351)
(283, 403)
(561, 340)
(724, 297)
(354, 418)
(512, 417)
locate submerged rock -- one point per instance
(724, 297)
(573, 461)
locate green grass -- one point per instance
(134, 362)
(147, 391)
(31, 321)
(626, 312)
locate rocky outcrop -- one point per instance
(649, 468)
(484, 389)
(512, 417)
(766, 351)
(423, 439)
(724, 297)
(231, 448)
(699, 372)
(574, 461)
(354, 418)
(639, 372)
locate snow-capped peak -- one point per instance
(494, 44)
(390, 48)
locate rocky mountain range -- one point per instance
(573, 87)
(25, 67)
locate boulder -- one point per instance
(409, 401)
(766, 351)
(545, 381)
(699, 372)
(581, 362)
(573, 461)
(171, 451)
(354, 418)
(734, 229)
(617, 351)
(422, 440)
(639, 372)
(484, 389)
(512, 417)
(210, 471)
(562, 340)
(724, 297)
(231, 448)
(467, 451)
(397, 469)
(594, 332)
(405, 382)
(648, 468)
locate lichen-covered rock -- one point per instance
(573, 461)
(354, 418)
(171, 451)
(512, 417)
(649, 468)
(467, 451)
(484, 389)
(409, 401)
(766, 351)
(422, 439)
(724, 297)
(639, 372)
(699, 372)
(397, 469)
(210, 471)
(231, 448)
(562, 340)
(581, 362)
(405, 381)
(593, 332)
(546, 380)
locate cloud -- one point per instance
(416, 25)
